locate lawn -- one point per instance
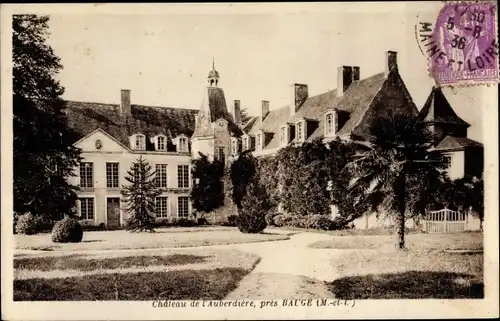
(435, 266)
(162, 238)
(174, 274)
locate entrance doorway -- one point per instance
(113, 211)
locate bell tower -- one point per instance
(213, 76)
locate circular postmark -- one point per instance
(461, 45)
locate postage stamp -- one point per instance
(462, 45)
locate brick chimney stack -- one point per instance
(125, 109)
(300, 93)
(344, 79)
(237, 112)
(391, 61)
(265, 109)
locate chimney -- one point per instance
(125, 103)
(391, 61)
(237, 112)
(344, 79)
(355, 73)
(265, 109)
(300, 92)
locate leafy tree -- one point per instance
(140, 196)
(396, 155)
(254, 207)
(469, 194)
(44, 154)
(244, 116)
(243, 169)
(208, 190)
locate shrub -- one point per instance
(321, 222)
(184, 222)
(202, 221)
(270, 218)
(282, 220)
(255, 204)
(27, 224)
(232, 219)
(67, 230)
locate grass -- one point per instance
(173, 285)
(428, 269)
(163, 238)
(81, 263)
(451, 241)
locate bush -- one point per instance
(231, 220)
(27, 224)
(282, 220)
(270, 218)
(321, 222)
(67, 230)
(255, 204)
(202, 221)
(184, 222)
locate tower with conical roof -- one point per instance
(214, 128)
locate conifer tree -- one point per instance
(140, 196)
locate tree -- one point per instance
(208, 190)
(469, 194)
(140, 196)
(243, 169)
(44, 154)
(244, 116)
(254, 207)
(396, 156)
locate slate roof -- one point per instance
(85, 117)
(438, 109)
(271, 125)
(455, 143)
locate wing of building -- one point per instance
(112, 137)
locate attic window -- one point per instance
(162, 143)
(140, 142)
(330, 124)
(259, 141)
(299, 130)
(283, 136)
(245, 143)
(234, 146)
(182, 144)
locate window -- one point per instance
(183, 206)
(87, 208)
(283, 138)
(86, 175)
(220, 154)
(140, 142)
(447, 160)
(161, 175)
(330, 124)
(162, 143)
(245, 143)
(182, 144)
(300, 131)
(234, 146)
(162, 206)
(259, 141)
(183, 176)
(111, 175)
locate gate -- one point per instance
(445, 221)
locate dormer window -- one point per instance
(259, 141)
(140, 142)
(182, 145)
(234, 146)
(245, 143)
(161, 143)
(300, 131)
(283, 136)
(330, 124)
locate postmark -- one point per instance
(461, 45)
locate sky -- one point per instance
(163, 54)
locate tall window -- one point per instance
(87, 208)
(330, 124)
(140, 142)
(111, 175)
(86, 175)
(245, 143)
(183, 176)
(162, 143)
(283, 139)
(300, 131)
(183, 206)
(259, 141)
(220, 154)
(182, 144)
(234, 146)
(161, 175)
(162, 206)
